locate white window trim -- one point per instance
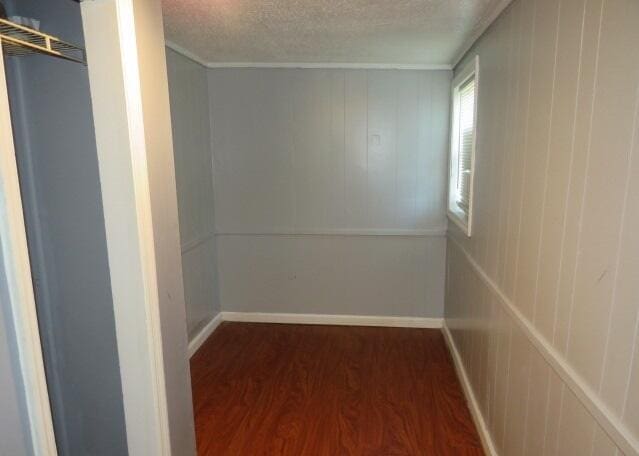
(455, 215)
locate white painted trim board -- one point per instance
(333, 66)
(120, 122)
(340, 320)
(434, 232)
(609, 423)
(185, 53)
(204, 334)
(311, 319)
(473, 404)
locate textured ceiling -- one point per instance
(411, 32)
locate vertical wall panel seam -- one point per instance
(504, 340)
(521, 204)
(505, 161)
(429, 107)
(420, 116)
(292, 162)
(543, 212)
(503, 212)
(632, 365)
(570, 169)
(344, 212)
(545, 192)
(547, 410)
(585, 184)
(562, 397)
(517, 90)
(635, 335)
(368, 133)
(396, 196)
(496, 370)
(619, 243)
(524, 148)
(511, 328)
(485, 256)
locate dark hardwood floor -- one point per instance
(264, 389)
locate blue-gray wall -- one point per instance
(57, 158)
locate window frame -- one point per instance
(455, 214)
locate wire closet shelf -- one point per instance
(19, 40)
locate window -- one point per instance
(462, 152)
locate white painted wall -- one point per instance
(313, 170)
(542, 300)
(188, 88)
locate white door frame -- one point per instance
(135, 156)
(15, 257)
(115, 94)
(124, 40)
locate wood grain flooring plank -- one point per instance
(280, 390)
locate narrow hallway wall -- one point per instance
(542, 300)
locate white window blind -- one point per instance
(466, 140)
(462, 145)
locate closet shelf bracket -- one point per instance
(18, 40)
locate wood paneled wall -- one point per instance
(329, 150)
(194, 177)
(543, 300)
(316, 173)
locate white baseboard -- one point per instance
(342, 320)
(484, 433)
(204, 334)
(310, 319)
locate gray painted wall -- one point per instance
(56, 151)
(188, 89)
(329, 190)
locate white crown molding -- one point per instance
(304, 65)
(185, 53)
(326, 65)
(486, 21)
(608, 421)
(473, 403)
